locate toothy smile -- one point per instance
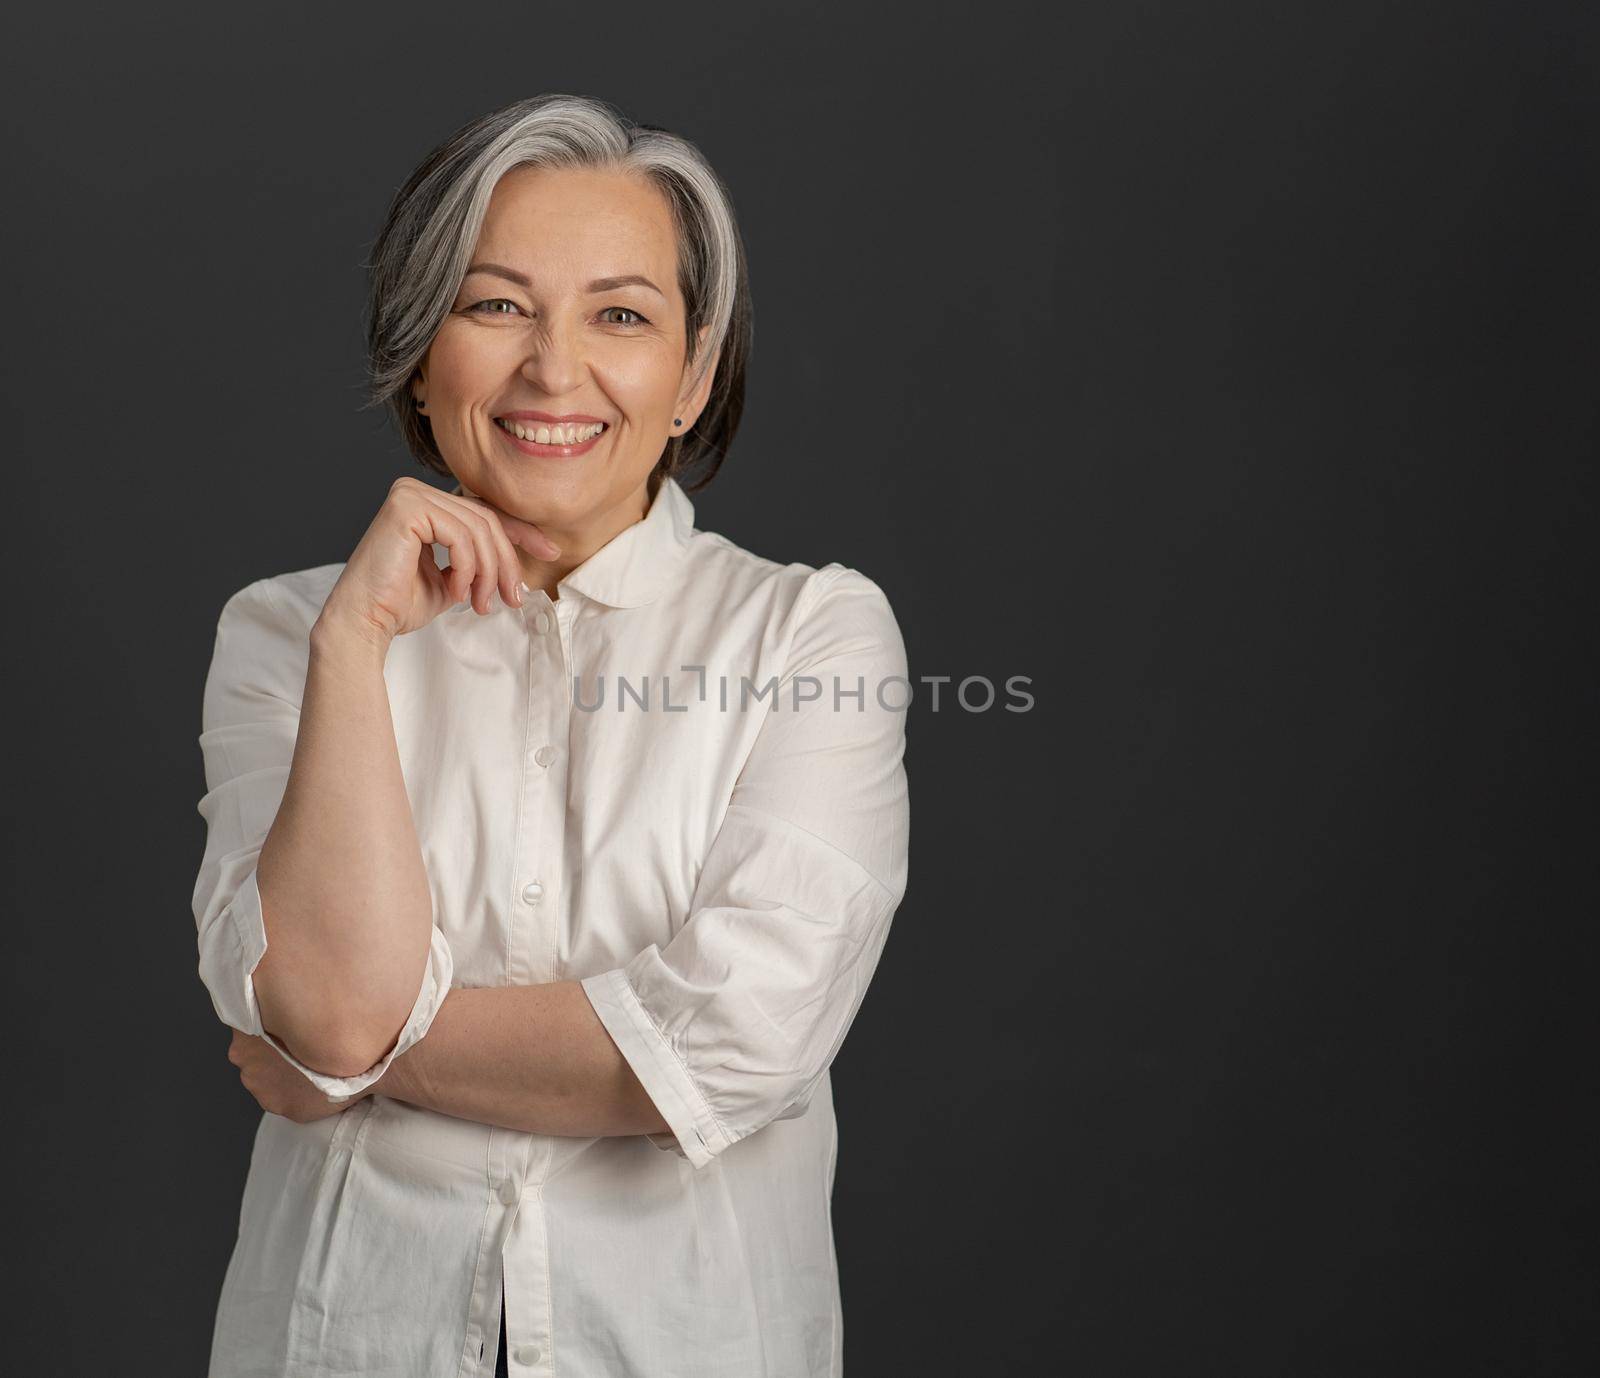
(543, 433)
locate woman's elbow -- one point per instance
(356, 1037)
(331, 1032)
(355, 1051)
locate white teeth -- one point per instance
(571, 433)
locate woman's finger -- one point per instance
(522, 533)
(511, 586)
(498, 565)
(528, 536)
(492, 573)
(434, 580)
(451, 530)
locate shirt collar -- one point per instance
(635, 566)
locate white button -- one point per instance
(544, 755)
(508, 1193)
(541, 623)
(528, 1354)
(532, 892)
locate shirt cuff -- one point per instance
(252, 934)
(695, 1135)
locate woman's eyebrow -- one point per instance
(598, 285)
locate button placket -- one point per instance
(527, 1285)
(541, 812)
(537, 852)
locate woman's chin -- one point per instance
(542, 499)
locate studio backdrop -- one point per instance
(1191, 407)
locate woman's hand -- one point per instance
(278, 1088)
(391, 585)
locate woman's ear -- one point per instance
(691, 404)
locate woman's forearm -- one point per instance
(344, 892)
(532, 1058)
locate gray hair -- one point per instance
(421, 255)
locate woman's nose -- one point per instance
(554, 362)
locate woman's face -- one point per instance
(570, 306)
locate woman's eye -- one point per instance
(504, 306)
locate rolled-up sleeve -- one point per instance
(249, 722)
(735, 1021)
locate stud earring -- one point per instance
(677, 421)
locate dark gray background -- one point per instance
(1227, 368)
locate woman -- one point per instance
(552, 841)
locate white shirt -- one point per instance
(720, 878)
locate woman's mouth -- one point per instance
(553, 439)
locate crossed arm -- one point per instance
(339, 969)
(346, 907)
(530, 1058)
(534, 1058)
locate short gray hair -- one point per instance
(421, 255)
